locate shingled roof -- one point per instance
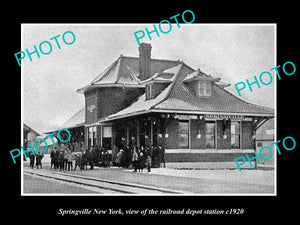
(221, 101)
(178, 97)
(125, 71)
(77, 120)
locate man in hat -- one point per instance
(31, 157)
(39, 157)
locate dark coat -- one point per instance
(141, 161)
(39, 159)
(52, 154)
(32, 157)
(60, 158)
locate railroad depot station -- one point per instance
(143, 101)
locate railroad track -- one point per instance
(102, 185)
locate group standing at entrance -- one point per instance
(63, 158)
(126, 156)
(137, 158)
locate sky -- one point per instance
(233, 52)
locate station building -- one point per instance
(143, 101)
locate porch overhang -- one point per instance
(187, 112)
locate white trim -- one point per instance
(114, 85)
(146, 82)
(108, 118)
(275, 107)
(210, 112)
(209, 151)
(98, 124)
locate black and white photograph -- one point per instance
(150, 114)
(169, 109)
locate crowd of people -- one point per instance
(138, 159)
(64, 159)
(37, 158)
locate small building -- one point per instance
(265, 135)
(76, 127)
(143, 101)
(29, 136)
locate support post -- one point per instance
(127, 133)
(164, 124)
(151, 130)
(254, 138)
(138, 133)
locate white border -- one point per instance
(22, 110)
(135, 24)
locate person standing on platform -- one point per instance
(160, 155)
(69, 160)
(52, 156)
(96, 155)
(31, 158)
(127, 156)
(135, 158)
(90, 158)
(65, 156)
(120, 158)
(155, 156)
(56, 164)
(60, 160)
(114, 153)
(39, 157)
(141, 161)
(148, 163)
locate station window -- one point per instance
(183, 134)
(92, 136)
(149, 91)
(210, 134)
(107, 137)
(204, 88)
(235, 134)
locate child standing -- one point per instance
(148, 163)
(135, 158)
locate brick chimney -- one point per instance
(144, 61)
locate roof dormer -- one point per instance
(200, 83)
(157, 83)
(204, 88)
